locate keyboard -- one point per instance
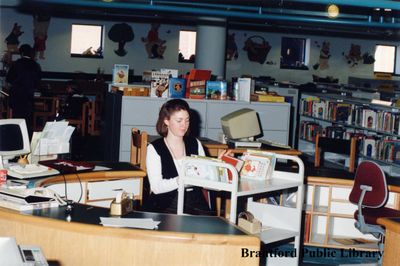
(245, 144)
(30, 171)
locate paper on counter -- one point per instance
(100, 168)
(143, 223)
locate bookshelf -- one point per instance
(376, 127)
(329, 220)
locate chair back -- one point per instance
(139, 148)
(340, 146)
(369, 173)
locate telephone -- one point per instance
(46, 193)
(122, 204)
(30, 195)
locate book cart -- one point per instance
(279, 222)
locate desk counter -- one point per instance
(392, 241)
(117, 170)
(180, 240)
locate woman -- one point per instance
(164, 161)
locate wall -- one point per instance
(58, 47)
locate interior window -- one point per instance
(384, 58)
(87, 41)
(187, 46)
(295, 53)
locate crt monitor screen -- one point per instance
(14, 138)
(241, 124)
(9, 143)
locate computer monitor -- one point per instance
(14, 139)
(242, 124)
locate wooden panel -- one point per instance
(392, 249)
(82, 244)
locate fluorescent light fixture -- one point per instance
(380, 102)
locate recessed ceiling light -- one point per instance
(333, 11)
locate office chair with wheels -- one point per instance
(340, 146)
(370, 193)
(139, 141)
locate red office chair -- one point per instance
(370, 193)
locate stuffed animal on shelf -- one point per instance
(12, 39)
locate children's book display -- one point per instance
(120, 74)
(257, 164)
(177, 88)
(159, 84)
(253, 164)
(216, 90)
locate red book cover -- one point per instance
(237, 163)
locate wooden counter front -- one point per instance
(72, 243)
(392, 241)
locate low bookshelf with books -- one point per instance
(279, 222)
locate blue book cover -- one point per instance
(177, 88)
(216, 90)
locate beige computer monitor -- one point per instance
(242, 124)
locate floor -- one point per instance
(91, 149)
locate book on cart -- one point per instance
(258, 165)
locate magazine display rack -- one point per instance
(279, 222)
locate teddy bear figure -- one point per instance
(324, 56)
(354, 55)
(12, 39)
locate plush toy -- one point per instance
(231, 49)
(155, 47)
(12, 39)
(40, 26)
(354, 55)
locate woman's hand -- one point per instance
(225, 152)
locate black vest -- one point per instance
(168, 168)
(166, 202)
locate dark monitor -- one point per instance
(14, 139)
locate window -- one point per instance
(295, 53)
(87, 41)
(384, 58)
(187, 46)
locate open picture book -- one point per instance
(252, 164)
(257, 164)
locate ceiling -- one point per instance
(372, 19)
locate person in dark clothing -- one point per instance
(164, 162)
(24, 75)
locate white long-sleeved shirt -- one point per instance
(153, 163)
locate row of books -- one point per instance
(310, 129)
(383, 149)
(377, 147)
(163, 84)
(358, 115)
(253, 164)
